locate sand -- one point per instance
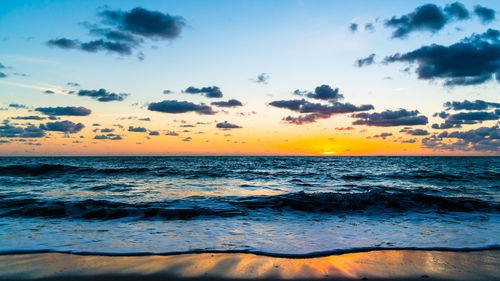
(372, 265)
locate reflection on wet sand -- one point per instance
(386, 264)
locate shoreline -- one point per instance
(386, 264)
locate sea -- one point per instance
(282, 206)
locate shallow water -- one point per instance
(283, 205)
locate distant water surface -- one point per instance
(281, 205)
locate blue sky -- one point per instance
(299, 44)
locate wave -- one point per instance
(326, 253)
(373, 202)
(52, 169)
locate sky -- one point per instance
(249, 78)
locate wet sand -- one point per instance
(372, 265)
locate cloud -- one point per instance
(262, 78)
(416, 132)
(8, 131)
(62, 126)
(17, 106)
(32, 117)
(431, 18)
(353, 27)
(369, 27)
(470, 105)
(107, 130)
(171, 133)
(344, 128)
(108, 137)
(323, 92)
(2, 66)
(125, 31)
(73, 84)
(480, 139)
(209, 92)
(227, 126)
(471, 61)
(388, 118)
(457, 10)
(137, 129)
(154, 133)
(486, 15)
(3, 75)
(466, 118)
(229, 103)
(102, 95)
(174, 106)
(187, 139)
(316, 111)
(383, 135)
(152, 24)
(48, 92)
(64, 111)
(365, 61)
(166, 92)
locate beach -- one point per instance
(371, 265)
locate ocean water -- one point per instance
(274, 205)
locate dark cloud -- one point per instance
(171, 133)
(3, 75)
(401, 117)
(64, 43)
(315, 111)
(187, 139)
(152, 24)
(64, 111)
(441, 114)
(102, 45)
(470, 105)
(353, 27)
(144, 119)
(227, 126)
(428, 17)
(103, 95)
(62, 126)
(416, 132)
(32, 117)
(48, 92)
(229, 103)
(466, 118)
(457, 10)
(481, 139)
(209, 92)
(154, 133)
(166, 92)
(323, 92)
(486, 15)
(369, 27)
(345, 129)
(137, 129)
(472, 61)
(125, 31)
(107, 130)
(369, 60)
(73, 84)
(174, 106)
(2, 66)
(383, 135)
(8, 131)
(17, 106)
(262, 78)
(108, 137)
